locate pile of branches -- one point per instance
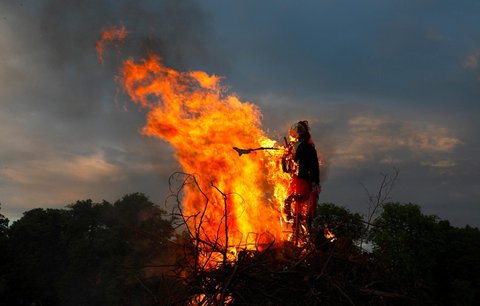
(318, 272)
(292, 275)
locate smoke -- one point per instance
(175, 29)
(57, 38)
(472, 60)
(64, 101)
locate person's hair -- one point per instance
(305, 126)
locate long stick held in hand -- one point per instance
(247, 151)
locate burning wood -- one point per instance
(232, 200)
(191, 111)
(238, 247)
(252, 272)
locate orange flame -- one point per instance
(328, 234)
(109, 35)
(202, 122)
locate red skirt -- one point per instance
(299, 188)
(302, 191)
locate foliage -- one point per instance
(3, 224)
(407, 239)
(88, 254)
(429, 259)
(4, 258)
(127, 253)
(459, 265)
(340, 221)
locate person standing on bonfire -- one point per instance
(301, 161)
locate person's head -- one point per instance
(300, 130)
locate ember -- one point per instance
(109, 35)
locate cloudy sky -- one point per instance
(384, 85)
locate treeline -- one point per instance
(88, 254)
(128, 253)
(414, 259)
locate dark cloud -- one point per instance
(57, 75)
(329, 62)
(401, 53)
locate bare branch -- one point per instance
(377, 200)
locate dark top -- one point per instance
(307, 160)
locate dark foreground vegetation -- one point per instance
(128, 253)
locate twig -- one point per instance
(147, 289)
(227, 283)
(382, 293)
(343, 293)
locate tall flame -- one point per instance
(202, 122)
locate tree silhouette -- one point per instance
(88, 254)
(128, 253)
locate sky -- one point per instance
(384, 84)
